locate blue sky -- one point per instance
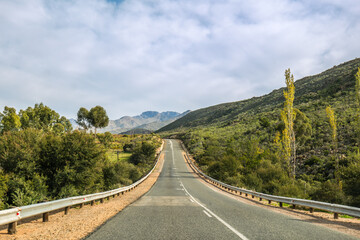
(131, 56)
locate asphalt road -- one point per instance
(179, 206)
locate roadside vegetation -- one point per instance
(42, 158)
(300, 141)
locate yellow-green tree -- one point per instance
(332, 121)
(357, 85)
(288, 117)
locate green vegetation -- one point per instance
(42, 159)
(246, 143)
(96, 118)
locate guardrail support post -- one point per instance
(92, 203)
(45, 217)
(269, 201)
(108, 198)
(280, 204)
(252, 196)
(246, 194)
(101, 200)
(240, 193)
(12, 228)
(293, 206)
(67, 210)
(336, 216)
(260, 199)
(311, 210)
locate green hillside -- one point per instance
(241, 142)
(329, 84)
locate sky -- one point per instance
(132, 56)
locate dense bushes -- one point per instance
(37, 165)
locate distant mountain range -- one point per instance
(146, 122)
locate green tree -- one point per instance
(332, 121)
(10, 121)
(288, 116)
(43, 117)
(83, 118)
(98, 117)
(357, 86)
(105, 138)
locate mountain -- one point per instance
(337, 80)
(149, 121)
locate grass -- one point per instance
(113, 156)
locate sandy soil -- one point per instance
(349, 226)
(81, 222)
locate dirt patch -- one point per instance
(350, 226)
(81, 222)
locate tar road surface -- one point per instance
(179, 206)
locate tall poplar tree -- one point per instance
(288, 116)
(332, 120)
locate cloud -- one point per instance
(132, 56)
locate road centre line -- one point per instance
(208, 214)
(241, 236)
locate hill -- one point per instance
(309, 89)
(242, 143)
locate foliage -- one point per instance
(96, 118)
(10, 121)
(39, 163)
(105, 138)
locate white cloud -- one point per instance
(133, 56)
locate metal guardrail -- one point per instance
(13, 215)
(334, 208)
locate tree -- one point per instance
(10, 120)
(357, 85)
(288, 116)
(43, 117)
(106, 139)
(98, 117)
(332, 121)
(83, 118)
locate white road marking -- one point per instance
(191, 200)
(172, 151)
(207, 214)
(241, 236)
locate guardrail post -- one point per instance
(252, 196)
(92, 203)
(311, 210)
(101, 200)
(336, 216)
(280, 204)
(45, 217)
(12, 228)
(67, 210)
(246, 194)
(269, 201)
(81, 205)
(108, 198)
(293, 206)
(260, 199)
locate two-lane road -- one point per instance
(179, 206)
